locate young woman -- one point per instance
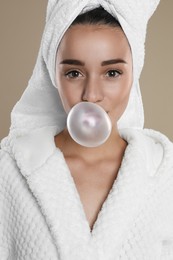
(63, 200)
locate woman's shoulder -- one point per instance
(28, 151)
(155, 147)
(149, 138)
(160, 146)
(146, 133)
(159, 143)
(157, 136)
(9, 171)
(6, 161)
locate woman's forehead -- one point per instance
(95, 39)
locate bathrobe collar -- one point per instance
(52, 185)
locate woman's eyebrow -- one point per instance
(80, 63)
(114, 61)
(72, 62)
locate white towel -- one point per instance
(40, 105)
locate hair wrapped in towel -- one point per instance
(40, 105)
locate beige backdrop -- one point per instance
(21, 26)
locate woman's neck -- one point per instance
(113, 148)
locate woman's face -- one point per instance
(94, 64)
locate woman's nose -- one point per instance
(92, 92)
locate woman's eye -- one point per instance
(113, 73)
(73, 74)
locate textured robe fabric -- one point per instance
(42, 217)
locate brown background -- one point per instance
(21, 27)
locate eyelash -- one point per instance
(75, 71)
(70, 72)
(117, 71)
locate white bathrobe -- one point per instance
(41, 215)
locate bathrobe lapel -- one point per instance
(50, 181)
(54, 189)
(128, 194)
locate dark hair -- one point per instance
(98, 16)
